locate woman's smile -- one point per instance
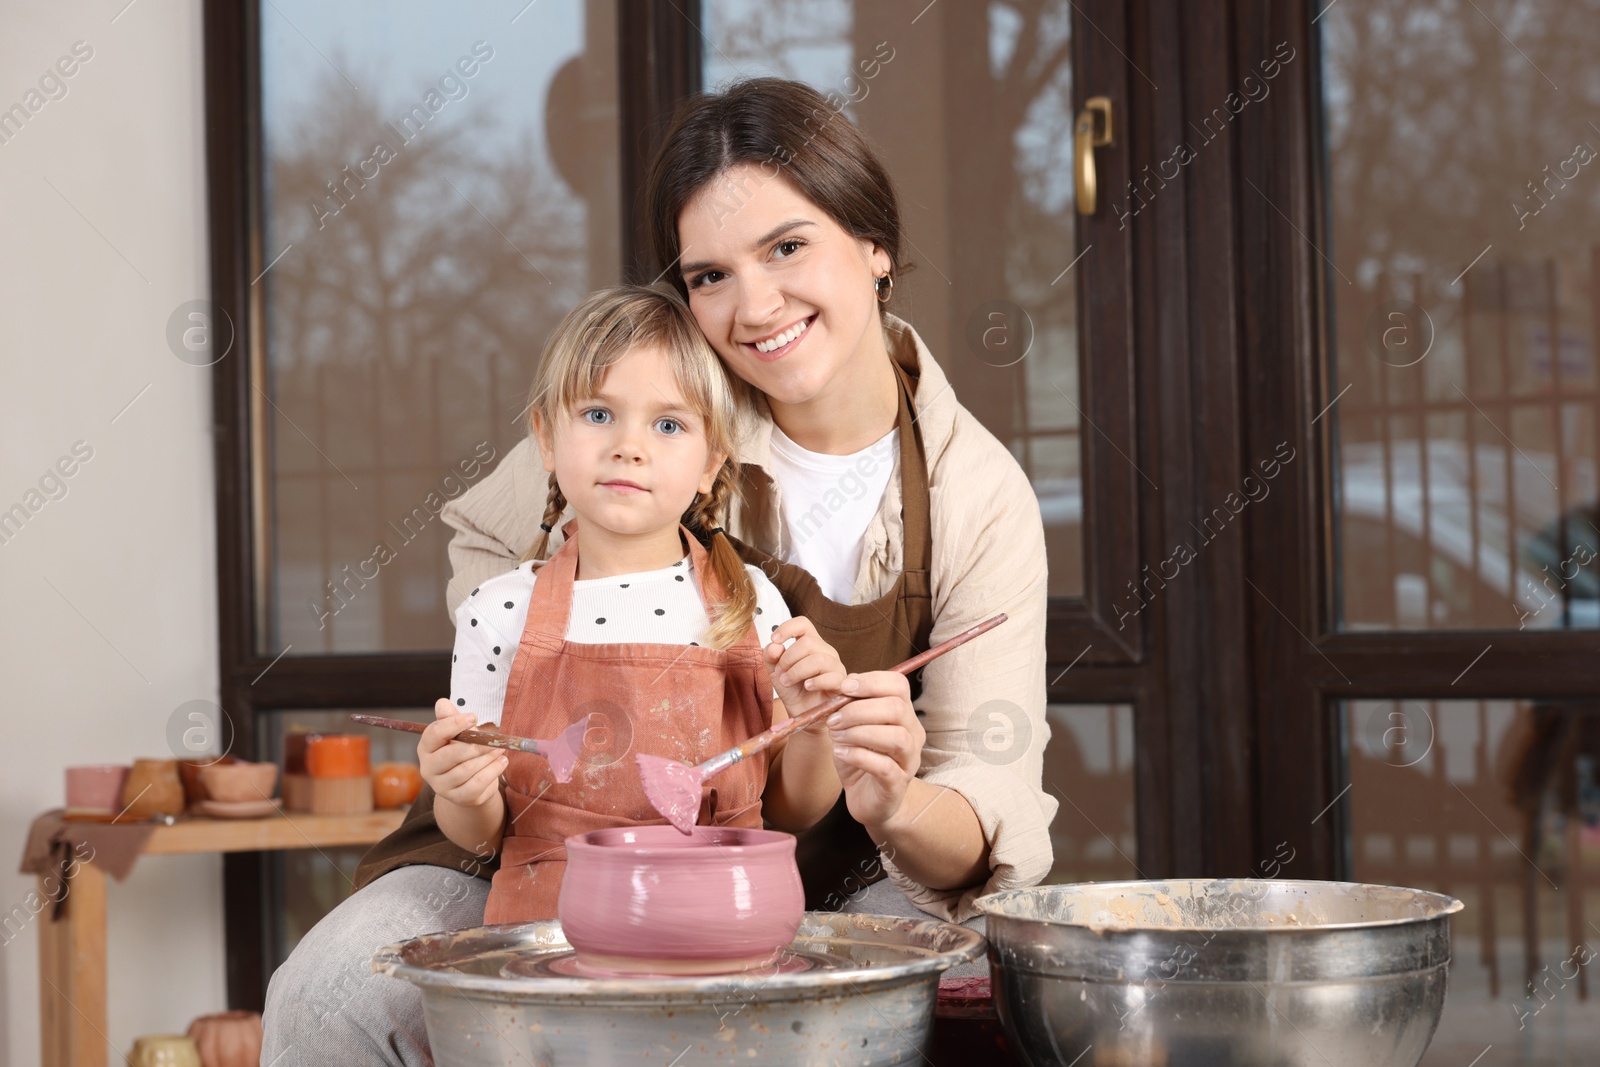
(775, 346)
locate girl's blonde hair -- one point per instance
(604, 327)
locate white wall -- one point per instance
(92, 668)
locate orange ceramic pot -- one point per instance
(228, 1039)
(395, 785)
(152, 788)
(339, 756)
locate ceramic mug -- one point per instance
(164, 1050)
(97, 787)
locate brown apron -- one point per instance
(836, 856)
(682, 702)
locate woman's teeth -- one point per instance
(783, 338)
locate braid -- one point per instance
(708, 512)
(554, 506)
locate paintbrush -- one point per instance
(673, 787)
(562, 751)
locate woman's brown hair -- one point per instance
(604, 327)
(783, 127)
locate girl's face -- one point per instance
(763, 263)
(631, 459)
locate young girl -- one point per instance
(663, 642)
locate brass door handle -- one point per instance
(1086, 137)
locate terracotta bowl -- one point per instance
(189, 771)
(649, 900)
(234, 783)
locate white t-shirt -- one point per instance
(828, 502)
(656, 607)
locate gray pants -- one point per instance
(326, 1006)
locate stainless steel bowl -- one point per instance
(852, 989)
(1237, 972)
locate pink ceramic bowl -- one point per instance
(649, 900)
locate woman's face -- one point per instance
(763, 263)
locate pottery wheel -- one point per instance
(857, 989)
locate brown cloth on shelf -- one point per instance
(54, 844)
(836, 857)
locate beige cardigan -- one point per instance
(988, 557)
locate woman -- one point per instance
(879, 506)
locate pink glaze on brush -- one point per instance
(563, 751)
(648, 900)
(673, 788)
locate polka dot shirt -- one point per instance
(659, 607)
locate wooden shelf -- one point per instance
(72, 946)
(276, 833)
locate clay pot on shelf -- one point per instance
(189, 770)
(152, 788)
(650, 900)
(341, 774)
(164, 1050)
(228, 1039)
(339, 756)
(239, 783)
(97, 787)
(395, 785)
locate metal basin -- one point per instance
(851, 989)
(1229, 972)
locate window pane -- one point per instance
(1088, 767)
(1464, 286)
(441, 185)
(971, 107)
(1494, 802)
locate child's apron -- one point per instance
(836, 857)
(683, 702)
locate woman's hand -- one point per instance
(808, 671)
(877, 747)
(464, 774)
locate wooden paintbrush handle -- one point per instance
(475, 737)
(828, 707)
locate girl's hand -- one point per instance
(877, 746)
(464, 774)
(808, 671)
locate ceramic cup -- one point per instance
(164, 1050)
(338, 756)
(97, 787)
(650, 900)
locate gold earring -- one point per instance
(884, 287)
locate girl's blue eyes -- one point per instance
(668, 426)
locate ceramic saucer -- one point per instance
(243, 809)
